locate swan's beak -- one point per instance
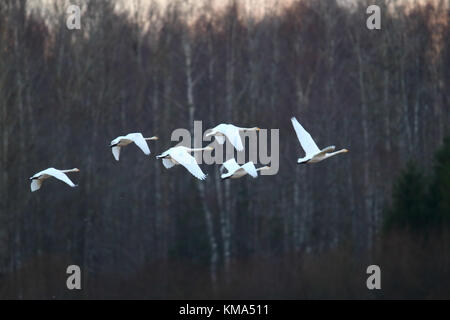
(209, 149)
(76, 170)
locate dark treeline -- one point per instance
(139, 230)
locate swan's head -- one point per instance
(344, 150)
(154, 138)
(75, 170)
(209, 148)
(257, 129)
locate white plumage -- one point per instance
(223, 130)
(236, 171)
(180, 155)
(38, 178)
(312, 152)
(123, 141)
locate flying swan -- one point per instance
(236, 171)
(38, 178)
(231, 132)
(180, 155)
(123, 141)
(312, 153)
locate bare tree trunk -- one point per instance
(405, 106)
(200, 185)
(229, 100)
(21, 114)
(366, 154)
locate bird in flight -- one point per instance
(123, 141)
(223, 130)
(236, 171)
(38, 178)
(181, 156)
(312, 152)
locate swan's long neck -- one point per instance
(70, 170)
(199, 149)
(250, 129)
(152, 138)
(263, 168)
(336, 152)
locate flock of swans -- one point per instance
(180, 155)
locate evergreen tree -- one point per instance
(409, 208)
(439, 195)
(418, 204)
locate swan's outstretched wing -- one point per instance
(188, 161)
(327, 150)
(58, 175)
(167, 163)
(116, 152)
(231, 165)
(305, 139)
(36, 184)
(249, 167)
(232, 133)
(139, 140)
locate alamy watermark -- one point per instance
(74, 280)
(374, 280)
(73, 20)
(374, 20)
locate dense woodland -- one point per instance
(137, 229)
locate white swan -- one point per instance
(312, 152)
(236, 171)
(180, 155)
(231, 132)
(38, 178)
(123, 141)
